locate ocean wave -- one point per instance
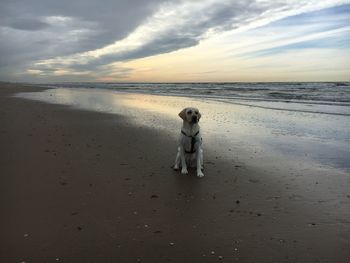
(305, 93)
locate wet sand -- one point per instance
(84, 186)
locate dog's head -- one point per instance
(190, 115)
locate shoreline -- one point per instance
(89, 186)
(312, 106)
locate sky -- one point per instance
(174, 41)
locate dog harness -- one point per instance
(193, 141)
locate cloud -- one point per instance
(83, 37)
(174, 27)
(327, 28)
(31, 24)
(42, 29)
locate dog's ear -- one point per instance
(182, 114)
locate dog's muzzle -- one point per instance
(194, 119)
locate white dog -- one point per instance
(189, 151)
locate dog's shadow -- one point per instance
(187, 183)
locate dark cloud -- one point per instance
(48, 29)
(156, 46)
(44, 29)
(186, 31)
(28, 24)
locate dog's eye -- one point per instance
(196, 112)
(189, 112)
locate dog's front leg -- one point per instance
(183, 161)
(199, 157)
(177, 159)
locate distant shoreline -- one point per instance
(325, 98)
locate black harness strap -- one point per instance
(193, 141)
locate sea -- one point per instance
(314, 97)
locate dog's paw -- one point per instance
(200, 174)
(184, 171)
(176, 167)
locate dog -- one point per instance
(189, 151)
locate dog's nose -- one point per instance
(194, 119)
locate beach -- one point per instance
(88, 178)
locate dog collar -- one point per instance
(193, 141)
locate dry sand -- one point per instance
(83, 186)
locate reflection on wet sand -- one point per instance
(298, 137)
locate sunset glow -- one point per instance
(184, 41)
